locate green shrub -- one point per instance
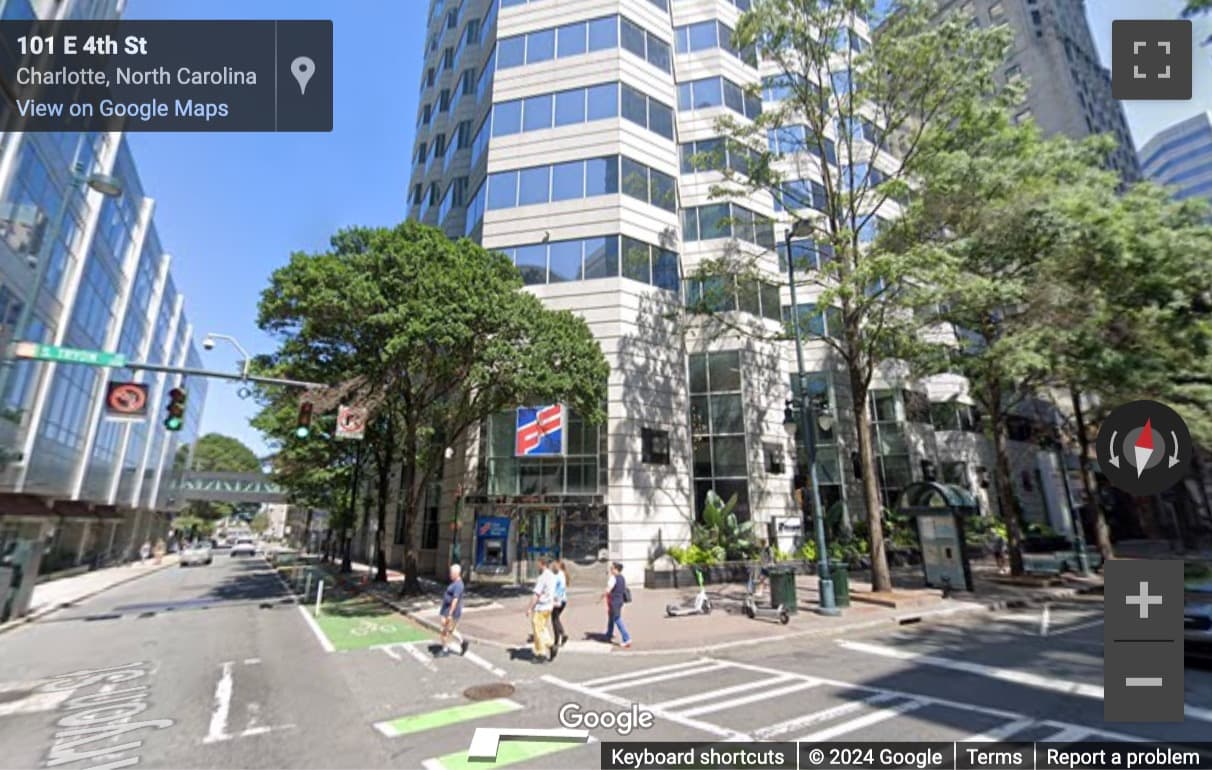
(694, 555)
(807, 551)
(721, 533)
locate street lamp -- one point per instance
(808, 419)
(109, 186)
(209, 344)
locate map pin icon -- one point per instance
(303, 68)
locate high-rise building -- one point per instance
(89, 487)
(1180, 157)
(1069, 91)
(564, 135)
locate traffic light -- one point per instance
(176, 410)
(303, 426)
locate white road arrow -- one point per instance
(1114, 457)
(1174, 459)
(486, 739)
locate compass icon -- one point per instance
(1144, 447)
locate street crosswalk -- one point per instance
(737, 701)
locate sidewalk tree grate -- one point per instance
(488, 691)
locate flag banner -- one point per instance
(540, 431)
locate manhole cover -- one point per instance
(16, 695)
(488, 691)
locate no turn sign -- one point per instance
(126, 401)
(351, 422)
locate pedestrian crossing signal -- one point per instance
(176, 410)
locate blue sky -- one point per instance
(232, 207)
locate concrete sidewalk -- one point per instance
(498, 618)
(56, 594)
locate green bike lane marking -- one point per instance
(358, 623)
(431, 720)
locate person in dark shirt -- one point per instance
(615, 596)
(452, 610)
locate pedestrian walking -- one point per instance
(452, 610)
(144, 552)
(998, 545)
(160, 550)
(561, 601)
(616, 595)
(542, 602)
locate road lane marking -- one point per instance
(644, 672)
(251, 661)
(486, 741)
(715, 666)
(431, 720)
(476, 659)
(671, 704)
(751, 698)
(1044, 620)
(1078, 627)
(222, 709)
(1070, 734)
(508, 753)
(626, 703)
(817, 717)
(1014, 676)
(866, 720)
(419, 657)
(1001, 732)
(315, 628)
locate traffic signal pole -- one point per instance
(190, 372)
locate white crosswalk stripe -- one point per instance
(707, 686)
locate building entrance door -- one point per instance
(541, 537)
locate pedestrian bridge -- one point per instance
(222, 487)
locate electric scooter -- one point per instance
(701, 606)
(754, 611)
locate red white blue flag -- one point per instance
(540, 430)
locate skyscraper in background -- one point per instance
(563, 136)
(1180, 157)
(88, 487)
(1069, 91)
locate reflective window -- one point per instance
(534, 185)
(565, 261)
(570, 107)
(717, 429)
(540, 46)
(631, 37)
(502, 190)
(511, 52)
(537, 113)
(635, 106)
(599, 257)
(568, 181)
(572, 40)
(603, 101)
(716, 92)
(604, 33)
(726, 220)
(507, 118)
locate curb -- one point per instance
(908, 618)
(33, 617)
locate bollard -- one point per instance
(319, 597)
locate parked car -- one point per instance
(196, 553)
(1197, 620)
(244, 547)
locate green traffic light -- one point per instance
(173, 423)
(302, 432)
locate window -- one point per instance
(726, 220)
(717, 92)
(717, 429)
(572, 40)
(511, 52)
(721, 294)
(444, 100)
(773, 454)
(541, 184)
(507, 118)
(540, 46)
(603, 101)
(536, 112)
(602, 34)
(452, 19)
(568, 181)
(448, 59)
(598, 257)
(655, 446)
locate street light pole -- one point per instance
(1079, 527)
(209, 343)
(102, 183)
(827, 605)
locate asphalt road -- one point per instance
(218, 667)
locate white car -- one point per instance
(244, 547)
(196, 553)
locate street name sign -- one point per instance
(63, 355)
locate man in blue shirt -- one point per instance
(452, 610)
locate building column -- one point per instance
(86, 529)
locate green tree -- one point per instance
(432, 336)
(259, 523)
(882, 102)
(216, 453)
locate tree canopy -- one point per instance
(432, 336)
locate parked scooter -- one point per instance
(754, 611)
(701, 606)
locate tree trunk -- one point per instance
(1011, 514)
(346, 548)
(407, 510)
(881, 578)
(1102, 532)
(384, 496)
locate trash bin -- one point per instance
(839, 572)
(782, 589)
